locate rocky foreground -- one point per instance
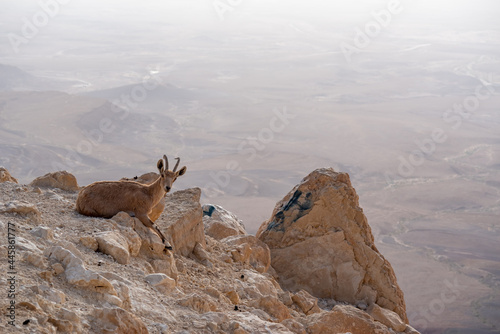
(312, 268)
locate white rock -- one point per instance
(220, 223)
(77, 274)
(42, 232)
(114, 244)
(161, 281)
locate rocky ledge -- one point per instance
(313, 267)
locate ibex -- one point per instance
(107, 198)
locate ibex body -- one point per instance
(107, 198)
(149, 178)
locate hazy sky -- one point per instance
(227, 16)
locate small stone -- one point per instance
(202, 255)
(233, 297)
(307, 303)
(362, 306)
(35, 259)
(118, 320)
(89, 242)
(27, 305)
(58, 268)
(42, 232)
(46, 275)
(157, 279)
(61, 325)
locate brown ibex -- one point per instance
(107, 198)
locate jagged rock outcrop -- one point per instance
(142, 242)
(5, 176)
(182, 222)
(149, 178)
(321, 242)
(62, 180)
(220, 223)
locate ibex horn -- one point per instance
(166, 162)
(177, 164)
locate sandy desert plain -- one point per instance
(255, 95)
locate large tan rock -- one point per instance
(182, 222)
(220, 223)
(321, 242)
(62, 180)
(149, 178)
(344, 319)
(249, 249)
(6, 177)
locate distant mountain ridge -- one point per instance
(15, 79)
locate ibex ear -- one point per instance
(160, 165)
(182, 171)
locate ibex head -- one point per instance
(169, 176)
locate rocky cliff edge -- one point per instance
(312, 269)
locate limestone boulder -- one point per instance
(249, 249)
(62, 180)
(321, 242)
(220, 223)
(344, 319)
(6, 177)
(149, 178)
(182, 221)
